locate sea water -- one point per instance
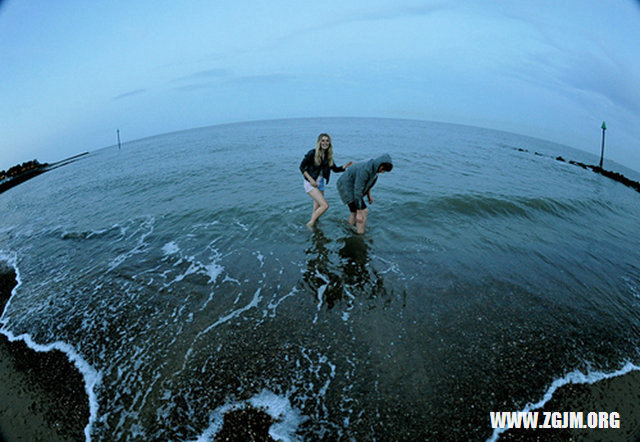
(178, 274)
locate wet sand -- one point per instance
(42, 395)
(620, 394)
(42, 398)
(248, 424)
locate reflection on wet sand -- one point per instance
(339, 269)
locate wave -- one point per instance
(11, 260)
(487, 206)
(186, 265)
(574, 377)
(284, 418)
(117, 231)
(92, 377)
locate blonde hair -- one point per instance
(319, 153)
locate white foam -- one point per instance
(254, 303)
(260, 257)
(320, 294)
(148, 224)
(235, 313)
(279, 408)
(575, 377)
(273, 306)
(286, 417)
(194, 267)
(212, 269)
(170, 248)
(91, 376)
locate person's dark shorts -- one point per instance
(353, 208)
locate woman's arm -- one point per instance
(310, 179)
(341, 168)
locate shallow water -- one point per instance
(180, 272)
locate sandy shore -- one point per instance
(42, 395)
(620, 394)
(42, 398)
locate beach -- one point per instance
(42, 393)
(179, 278)
(43, 399)
(620, 394)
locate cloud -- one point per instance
(195, 87)
(216, 78)
(388, 13)
(585, 73)
(609, 78)
(263, 79)
(201, 80)
(393, 13)
(130, 94)
(206, 74)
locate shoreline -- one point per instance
(43, 398)
(616, 394)
(42, 394)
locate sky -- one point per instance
(73, 72)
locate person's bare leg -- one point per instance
(361, 220)
(320, 205)
(352, 218)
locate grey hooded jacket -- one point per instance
(358, 179)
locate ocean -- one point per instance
(179, 277)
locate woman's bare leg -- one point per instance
(320, 205)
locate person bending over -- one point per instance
(356, 183)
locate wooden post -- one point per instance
(604, 127)
(118, 132)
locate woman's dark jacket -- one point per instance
(308, 164)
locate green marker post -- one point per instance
(604, 127)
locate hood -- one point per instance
(384, 158)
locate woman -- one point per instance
(316, 167)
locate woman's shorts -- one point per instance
(308, 187)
